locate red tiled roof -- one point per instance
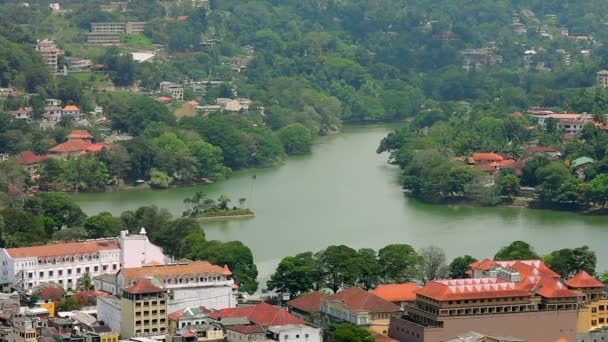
(486, 156)
(397, 292)
(310, 302)
(80, 134)
(75, 145)
(143, 285)
(484, 265)
(174, 316)
(584, 280)
(517, 114)
(71, 108)
(29, 157)
(520, 266)
(358, 299)
(545, 287)
(563, 116)
(165, 99)
(247, 329)
(226, 271)
(478, 288)
(94, 148)
(172, 270)
(14, 191)
(21, 110)
(63, 249)
(263, 314)
(541, 149)
(192, 103)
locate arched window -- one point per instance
(59, 260)
(76, 258)
(50, 261)
(169, 280)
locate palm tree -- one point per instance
(224, 200)
(85, 283)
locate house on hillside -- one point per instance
(579, 165)
(73, 111)
(30, 162)
(490, 162)
(22, 114)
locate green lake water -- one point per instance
(345, 193)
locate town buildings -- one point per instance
(174, 90)
(189, 284)
(204, 332)
(522, 298)
(263, 314)
(593, 304)
(245, 333)
(187, 317)
(308, 307)
(109, 33)
(50, 54)
(294, 333)
(602, 78)
(80, 142)
(360, 308)
(143, 310)
(30, 162)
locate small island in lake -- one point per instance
(203, 208)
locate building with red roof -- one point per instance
(490, 162)
(73, 111)
(242, 332)
(81, 134)
(143, 310)
(398, 294)
(30, 162)
(187, 317)
(262, 314)
(22, 114)
(359, 307)
(68, 149)
(593, 303)
(308, 306)
(524, 298)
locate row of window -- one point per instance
(75, 258)
(489, 300)
(153, 322)
(147, 331)
(148, 303)
(182, 280)
(79, 270)
(601, 321)
(147, 312)
(600, 308)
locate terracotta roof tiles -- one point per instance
(358, 299)
(397, 292)
(29, 157)
(478, 288)
(262, 314)
(70, 248)
(247, 329)
(75, 145)
(143, 286)
(584, 280)
(310, 302)
(71, 108)
(170, 270)
(80, 134)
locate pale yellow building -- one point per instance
(593, 302)
(143, 311)
(360, 308)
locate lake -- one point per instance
(345, 193)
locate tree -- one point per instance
(528, 176)
(70, 234)
(294, 275)
(21, 229)
(517, 250)
(180, 228)
(223, 200)
(369, 270)
(337, 269)
(460, 265)
(296, 138)
(433, 264)
(350, 333)
(551, 179)
(160, 179)
(508, 185)
(85, 283)
(58, 206)
(568, 262)
(400, 263)
(103, 225)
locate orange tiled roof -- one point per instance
(478, 288)
(310, 302)
(29, 157)
(71, 108)
(358, 299)
(94, 148)
(584, 280)
(165, 99)
(226, 271)
(21, 110)
(171, 270)
(539, 265)
(486, 156)
(143, 286)
(484, 265)
(397, 292)
(80, 134)
(70, 248)
(263, 314)
(75, 145)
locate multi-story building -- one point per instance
(176, 91)
(204, 332)
(22, 114)
(49, 52)
(103, 38)
(72, 111)
(143, 310)
(511, 298)
(294, 333)
(593, 304)
(360, 308)
(67, 262)
(109, 27)
(602, 78)
(62, 263)
(187, 317)
(189, 284)
(24, 329)
(135, 27)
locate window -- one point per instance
(60, 273)
(50, 273)
(30, 275)
(96, 268)
(602, 320)
(78, 270)
(593, 322)
(69, 271)
(593, 310)
(602, 308)
(105, 267)
(86, 269)
(114, 267)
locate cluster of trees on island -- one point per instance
(50, 217)
(340, 266)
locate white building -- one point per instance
(67, 262)
(176, 91)
(295, 333)
(49, 52)
(108, 311)
(190, 284)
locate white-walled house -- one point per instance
(295, 333)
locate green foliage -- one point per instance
(103, 225)
(58, 206)
(21, 229)
(508, 185)
(517, 250)
(296, 138)
(568, 262)
(350, 333)
(400, 263)
(85, 173)
(294, 275)
(460, 265)
(160, 179)
(433, 265)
